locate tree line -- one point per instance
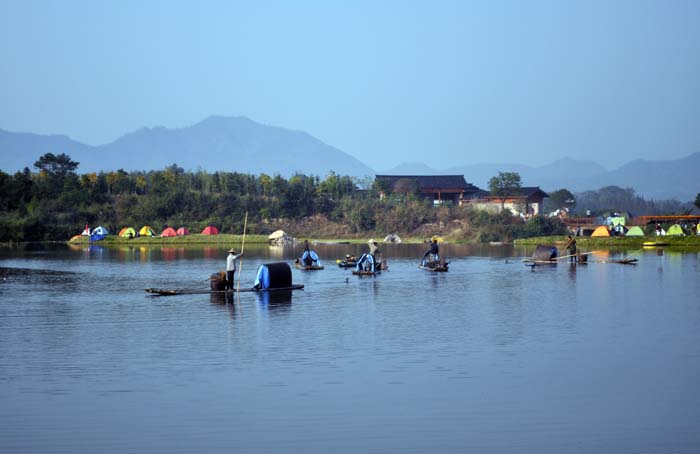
(54, 202)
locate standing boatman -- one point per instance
(571, 248)
(231, 267)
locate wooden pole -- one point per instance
(245, 225)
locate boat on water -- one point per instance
(654, 243)
(270, 278)
(302, 267)
(347, 263)
(435, 266)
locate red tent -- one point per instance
(169, 232)
(210, 230)
(183, 231)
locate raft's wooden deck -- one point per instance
(170, 292)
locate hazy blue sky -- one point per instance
(446, 83)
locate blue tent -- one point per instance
(365, 259)
(100, 230)
(313, 256)
(96, 237)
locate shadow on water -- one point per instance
(277, 302)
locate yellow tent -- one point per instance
(146, 231)
(601, 231)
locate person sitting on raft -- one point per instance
(434, 251)
(309, 257)
(306, 255)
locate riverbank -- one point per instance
(691, 241)
(221, 239)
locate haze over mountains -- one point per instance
(651, 179)
(216, 143)
(242, 145)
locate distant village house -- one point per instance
(438, 188)
(525, 201)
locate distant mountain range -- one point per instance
(242, 145)
(651, 179)
(217, 143)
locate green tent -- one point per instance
(617, 221)
(675, 229)
(635, 231)
(127, 232)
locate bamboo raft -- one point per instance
(346, 263)
(307, 268)
(172, 292)
(555, 260)
(441, 268)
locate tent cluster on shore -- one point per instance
(636, 231)
(99, 233)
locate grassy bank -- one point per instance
(221, 239)
(692, 242)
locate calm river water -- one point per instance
(490, 357)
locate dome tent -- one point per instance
(210, 230)
(169, 232)
(147, 231)
(183, 231)
(101, 231)
(127, 232)
(635, 231)
(601, 231)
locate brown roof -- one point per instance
(427, 182)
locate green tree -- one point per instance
(697, 200)
(504, 185)
(559, 199)
(58, 166)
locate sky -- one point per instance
(446, 83)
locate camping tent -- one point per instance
(183, 231)
(601, 231)
(147, 231)
(675, 229)
(127, 232)
(635, 231)
(101, 231)
(276, 235)
(169, 232)
(96, 237)
(86, 232)
(392, 238)
(210, 230)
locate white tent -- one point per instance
(276, 235)
(392, 238)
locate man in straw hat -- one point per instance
(231, 267)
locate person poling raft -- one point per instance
(549, 255)
(370, 263)
(309, 259)
(270, 277)
(431, 260)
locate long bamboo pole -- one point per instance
(245, 225)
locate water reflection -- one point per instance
(278, 302)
